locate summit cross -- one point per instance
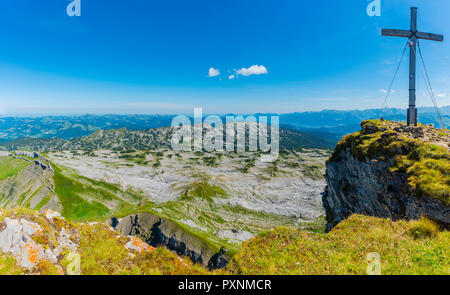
(412, 34)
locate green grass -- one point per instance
(86, 199)
(249, 163)
(10, 166)
(211, 161)
(428, 169)
(102, 253)
(26, 203)
(22, 197)
(314, 171)
(316, 225)
(242, 211)
(203, 190)
(70, 192)
(176, 210)
(135, 157)
(416, 247)
(272, 169)
(9, 266)
(43, 202)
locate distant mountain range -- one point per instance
(69, 127)
(150, 139)
(335, 124)
(322, 129)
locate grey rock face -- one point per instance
(157, 231)
(32, 155)
(367, 187)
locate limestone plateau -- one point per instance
(151, 210)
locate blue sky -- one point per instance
(154, 56)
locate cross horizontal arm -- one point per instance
(429, 36)
(395, 33)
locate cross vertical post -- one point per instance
(413, 35)
(412, 110)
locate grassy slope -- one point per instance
(103, 253)
(85, 199)
(426, 165)
(10, 166)
(82, 199)
(75, 207)
(415, 247)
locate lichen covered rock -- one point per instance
(44, 243)
(49, 214)
(136, 244)
(16, 239)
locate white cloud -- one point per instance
(385, 91)
(441, 95)
(213, 72)
(253, 70)
(231, 77)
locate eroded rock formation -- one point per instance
(157, 231)
(383, 172)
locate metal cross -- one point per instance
(413, 34)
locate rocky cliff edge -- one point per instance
(389, 170)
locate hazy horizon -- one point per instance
(431, 109)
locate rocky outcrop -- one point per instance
(37, 159)
(45, 243)
(367, 187)
(17, 237)
(365, 176)
(32, 155)
(157, 231)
